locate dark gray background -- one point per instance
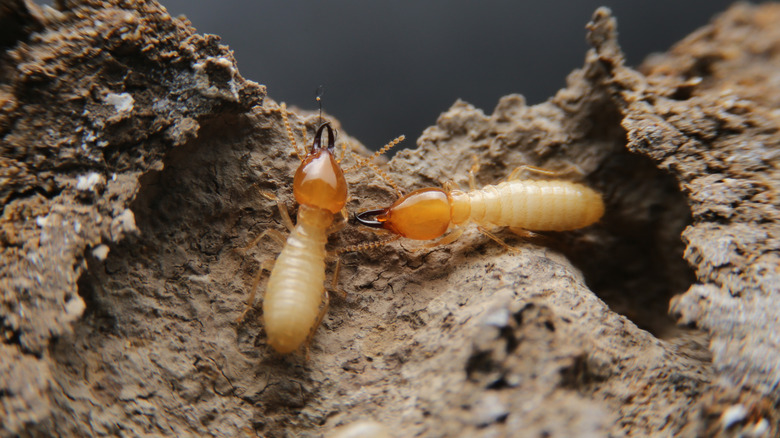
(391, 67)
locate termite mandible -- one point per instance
(522, 205)
(295, 300)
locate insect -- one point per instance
(295, 300)
(522, 205)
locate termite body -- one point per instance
(295, 299)
(531, 205)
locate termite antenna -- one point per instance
(368, 162)
(318, 97)
(368, 245)
(359, 162)
(290, 136)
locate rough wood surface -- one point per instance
(131, 158)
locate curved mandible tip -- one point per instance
(366, 218)
(317, 144)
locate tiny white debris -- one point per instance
(100, 252)
(128, 17)
(123, 223)
(34, 258)
(88, 182)
(127, 218)
(52, 13)
(223, 62)
(75, 307)
(203, 81)
(77, 227)
(233, 88)
(122, 102)
(220, 61)
(497, 318)
(362, 429)
(733, 415)
(42, 221)
(489, 409)
(760, 429)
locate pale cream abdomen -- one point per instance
(536, 205)
(295, 289)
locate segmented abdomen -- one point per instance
(536, 205)
(295, 288)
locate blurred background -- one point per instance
(391, 67)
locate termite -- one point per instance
(295, 300)
(523, 205)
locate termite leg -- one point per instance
(273, 234)
(449, 186)
(339, 224)
(571, 169)
(320, 317)
(523, 233)
(449, 238)
(529, 235)
(267, 265)
(472, 172)
(276, 235)
(497, 239)
(282, 209)
(334, 284)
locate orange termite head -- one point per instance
(319, 181)
(422, 215)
